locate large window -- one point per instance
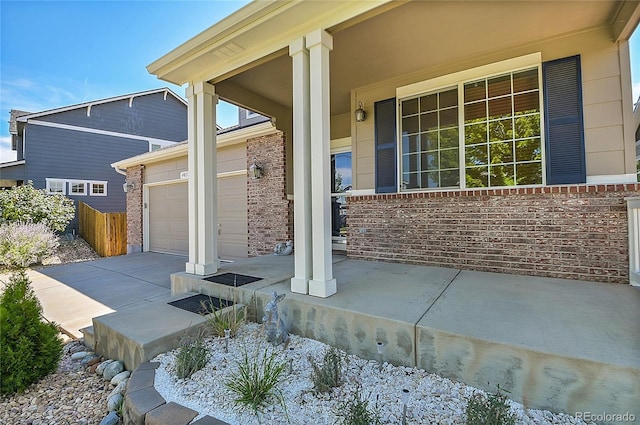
(480, 132)
(56, 186)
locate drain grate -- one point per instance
(200, 304)
(233, 279)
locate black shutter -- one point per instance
(564, 128)
(385, 141)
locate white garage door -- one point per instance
(168, 218)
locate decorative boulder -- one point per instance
(114, 402)
(119, 389)
(80, 355)
(102, 366)
(120, 377)
(111, 419)
(112, 370)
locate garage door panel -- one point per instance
(168, 218)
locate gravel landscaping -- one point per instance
(432, 399)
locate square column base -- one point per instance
(322, 289)
(202, 269)
(299, 285)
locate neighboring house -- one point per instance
(69, 150)
(252, 213)
(497, 137)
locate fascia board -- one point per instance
(270, 29)
(25, 118)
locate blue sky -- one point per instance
(59, 53)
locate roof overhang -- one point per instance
(180, 149)
(256, 33)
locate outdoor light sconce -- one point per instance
(255, 171)
(127, 186)
(361, 114)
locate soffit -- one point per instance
(426, 34)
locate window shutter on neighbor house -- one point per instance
(385, 143)
(564, 128)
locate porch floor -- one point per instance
(556, 344)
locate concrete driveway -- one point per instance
(72, 294)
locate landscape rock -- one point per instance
(112, 370)
(111, 419)
(102, 366)
(120, 377)
(114, 402)
(79, 355)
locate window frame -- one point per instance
(48, 183)
(94, 183)
(77, 182)
(458, 80)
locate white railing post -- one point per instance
(633, 219)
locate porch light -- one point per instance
(361, 115)
(255, 171)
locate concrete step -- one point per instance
(87, 334)
(138, 334)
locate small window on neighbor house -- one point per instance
(98, 189)
(155, 147)
(250, 114)
(78, 188)
(56, 186)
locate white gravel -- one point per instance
(433, 399)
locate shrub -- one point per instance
(356, 411)
(22, 245)
(489, 410)
(26, 204)
(218, 320)
(29, 348)
(191, 357)
(256, 378)
(329, 374)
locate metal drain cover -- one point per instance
(200, 304)
(232, 279)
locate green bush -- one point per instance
(26, 204)
(29, 348)
(329, 374)
(22, 245)
(191, 357)
(489, 410)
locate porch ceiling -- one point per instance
(403, 38)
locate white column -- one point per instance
(203, 196)
(301, 169)
(320, 44)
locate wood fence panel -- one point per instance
(106, 233)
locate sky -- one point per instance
(60, 53)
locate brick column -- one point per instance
(268, 212)
(135, 175)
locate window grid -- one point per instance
(499, 144)
(430, 146)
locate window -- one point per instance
(478, 133)
(98, 189)
(78, 188)
(56, 186)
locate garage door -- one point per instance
(168, 218)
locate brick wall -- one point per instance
(574, 232)
(269, 212)
(134, 209)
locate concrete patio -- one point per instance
(555, 344)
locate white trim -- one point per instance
(52, 180)
(612, 178)
(11, 164)
(92, 183)
(363, 192)
(235, 173)
(484, 71)
(149, 140)
(78, 183)
(88, 105)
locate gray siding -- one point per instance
(15, 172)
(149, 115)
(66, 154)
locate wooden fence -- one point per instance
(105, 232)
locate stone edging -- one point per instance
(143, 405)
